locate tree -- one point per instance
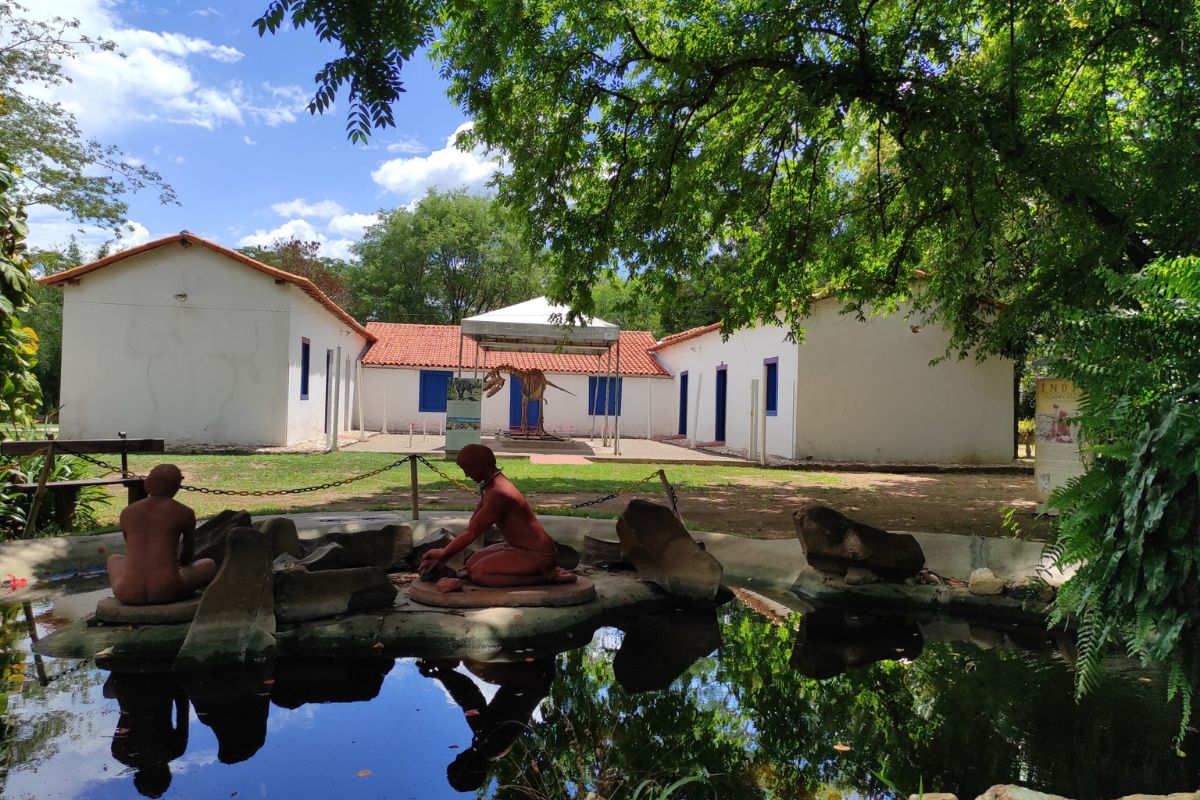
(452, 256)
(304, 259)
(59, 166)
(1005, 148)
(45, 318)
(19, 391)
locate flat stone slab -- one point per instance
(112, 611)
(545, 596)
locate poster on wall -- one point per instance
(464, 412)
(1058, 456)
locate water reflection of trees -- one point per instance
(956, 719)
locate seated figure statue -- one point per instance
(527, 554)
(159, 533)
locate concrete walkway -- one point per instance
(636, 451)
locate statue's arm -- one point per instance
(487, 514)
(187, 542)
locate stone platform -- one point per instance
(551, 596)
(112, 611)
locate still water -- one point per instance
(751, 706)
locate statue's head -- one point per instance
(164, 481)
(493, 382)
(152, 780)
(477, 462)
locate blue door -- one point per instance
(722, 385)
(514, 406)
(683, 382)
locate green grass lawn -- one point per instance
(391, 489)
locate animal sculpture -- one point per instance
(533, 387)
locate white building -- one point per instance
(852, 391)
(406, 371)
(186, 340)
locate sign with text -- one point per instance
(1058, 457)
(464, 413)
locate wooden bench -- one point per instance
(66, 493)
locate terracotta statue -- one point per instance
(159, 541)
(496, 725)
(533, 388)
(527, 554)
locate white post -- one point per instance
(795, 411)
(762, 415)
(362, 426)
(616, 394)
(696, 409)
(410, 435)
(337, 399)
(387, 376)
(752, 443)
(649, 410)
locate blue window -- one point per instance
(305, 355)
(434, 384)
(772, 389)
(601, 400)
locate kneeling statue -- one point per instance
(159, 532)
(527, 554)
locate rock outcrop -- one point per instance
(833, 543)
(664, 553)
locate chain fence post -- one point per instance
(662, 476)
(412, 463)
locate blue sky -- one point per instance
(220, 113)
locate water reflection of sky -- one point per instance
(964, 716)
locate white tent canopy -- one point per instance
(539, 326)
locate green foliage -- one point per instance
(16, 505)
(304, 259)
(1131, 523)
(453, 255)
(378, 36)
(775, 149)
(19, 391)
(60, 167)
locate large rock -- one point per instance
(236, 619)
(658, 648)
(831, 641)
(349, 680)
(984, 582)
(382, 548)
(302, 595)
(1008, 792)
(210, 537)
(832, 542)
(285, 539)
(661, 550)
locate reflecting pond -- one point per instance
(757, 707)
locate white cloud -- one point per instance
(248, 140)
(158, 76)
(447, 168)
(50, 228)
(303, 230)
(302, 208)
(207, 11)
(407, 144)
(352, 224)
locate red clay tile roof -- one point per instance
(403, 345)
(305, 284)
(682, 336)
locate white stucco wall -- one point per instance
(210, 370)
(864, 391)
(743, 356)
(393, 392)
(306, 418)
(867, 391)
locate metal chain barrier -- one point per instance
(444, 476)
(672, 495)
(617, 493)
(301, 490)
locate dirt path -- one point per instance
(762, 509)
